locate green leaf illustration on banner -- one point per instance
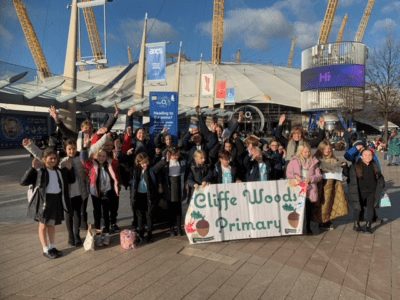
(197, 215)
(293, 217)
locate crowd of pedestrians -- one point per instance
(99, 163)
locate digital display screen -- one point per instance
(333, 76)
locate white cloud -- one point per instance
(391, 7)
(300, 8)
(384, 25)
(348, 3)
(307, 34)
(255, 27)
(160, 31)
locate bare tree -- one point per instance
(383, 78)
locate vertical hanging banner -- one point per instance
(230, 96)
(207, 84)
(221, 89)
(164, 113)
(156, 62)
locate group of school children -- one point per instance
(97, 163)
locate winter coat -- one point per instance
(92, 168)
(35, 210)
(217, 173)
(394, 146)
(198, 175)
(206, 145)
(277, 165)
(163, 166)
(353, 193)
(314, 174)
(80, 173)
(152, 186)
(332, 202)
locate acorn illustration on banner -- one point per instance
(293, 217)
(202, 226)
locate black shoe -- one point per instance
(180, 233)
(357, 227)
(172, 232)
(389, 165)
(368, 228)
(56, 252)
(149, 237)
(78, 241)
(71, 241)
(50, 254)
(309, 231)
(325, 226)
(115, 228)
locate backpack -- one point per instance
(34, 189)
(129, 239)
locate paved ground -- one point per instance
(338, 264)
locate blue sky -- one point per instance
(263, 30)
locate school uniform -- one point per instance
(52, 199)
(174, 174)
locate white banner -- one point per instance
(234, 211)
(207, 84)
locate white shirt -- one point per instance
(174, 168)
(53, 187)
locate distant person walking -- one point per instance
(349, 138)
(394, 148)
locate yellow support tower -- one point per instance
(93, 33)
(328, 21)
(78, 56)
(289, 63)
(218, 30)
(32, 39)
(364, 22)
(340, 35)
(239, 56)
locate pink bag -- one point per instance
(129, 239)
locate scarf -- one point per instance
(292, 148)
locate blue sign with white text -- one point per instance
(333, 76)
(156, 63)
(164, 113)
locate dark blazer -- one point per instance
(35, 210)
(217, 173)
(163, 166)
(253, 170)
(151, 182)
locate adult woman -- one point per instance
(332, 201)
(297, 137)
(365, 183)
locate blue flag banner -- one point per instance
(164, 113)
(230, 96)
(156, 62)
